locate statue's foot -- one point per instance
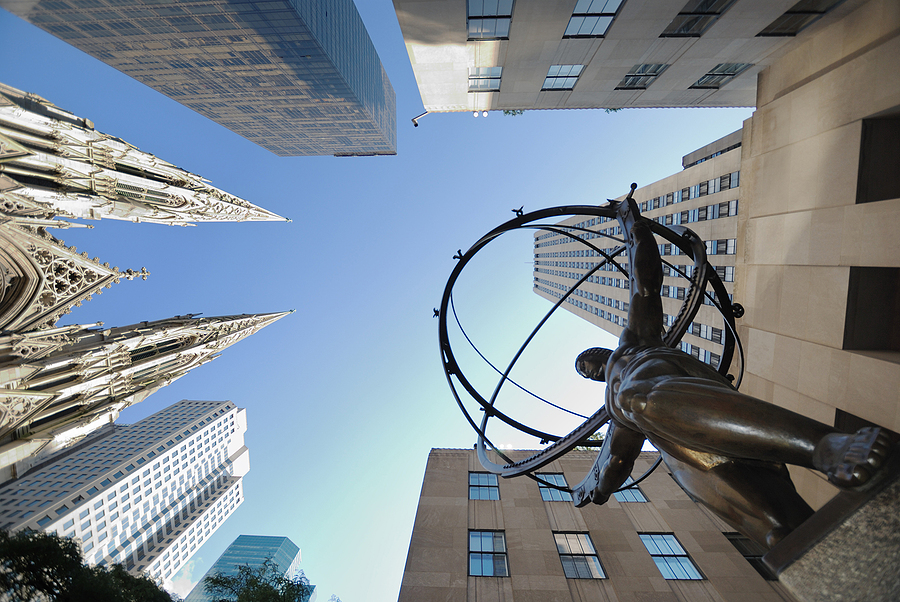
(851, 460)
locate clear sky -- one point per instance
(346, 396)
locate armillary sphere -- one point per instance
(701, 278)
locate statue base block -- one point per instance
(849, 549)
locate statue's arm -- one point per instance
(613, 465)
(645, 314)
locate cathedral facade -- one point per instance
(58, 384)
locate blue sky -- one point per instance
(346, 396)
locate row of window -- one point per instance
(491, 19)
(552, 487)
(639, 77)
(726, 181)
(577, 555)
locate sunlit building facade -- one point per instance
(252, 551)
(297, 77)
(483, 55)
(704, 197)
(523, 541)
(146, 495)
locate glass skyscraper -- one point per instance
(298, 77)
(252, 551)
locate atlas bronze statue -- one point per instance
(726, 449)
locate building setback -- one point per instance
(482, 55)
(297, 77)
(703, 197)
(252, 551)
(145, 495)
(477, 537)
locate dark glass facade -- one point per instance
(298, 77)
(252, 551)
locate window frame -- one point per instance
(553, 77)
(720, 76)
(500, 17)
(566, 542)
(694, 19)
(641, 76)
(481, 488)
(494, 554)
(547, 492)
(485, 74)
(661, 555)
(633, 491)
(583, 11)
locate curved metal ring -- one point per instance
(702, 274)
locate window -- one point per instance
(798, 17)
(720, 75)
(641, 76)
(592, 18)
(549, 494)
(753, 552)
(670, 558)
(872, 319)
(487, 554)
(562, 77)
(695, 18)
(578, 557)
(632, 494)
(879, 179)
(484, 79)
(489, 19)
(483, 486)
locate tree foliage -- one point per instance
(260, 584)
(35, 565)
(512, 112)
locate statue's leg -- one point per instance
(701, 414)
(756, 498)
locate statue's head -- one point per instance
(592, 363)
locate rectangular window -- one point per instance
(720, 75)
(798, 17)
(670, 558)
(578, 557)
(489, 19)
(484, 79)
(879, 178)
(640, 77)
(872, 320)
(592, 18)
(549, 494)
(632, 494)
(562, 77)
(695, 18)
(487, 554)
(752, 552)
(483, 486)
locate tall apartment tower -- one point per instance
(477, 537)
(482, 55)
(252, 551)
(61, 384)
(704, 197)
(145, 495)
(297, 77)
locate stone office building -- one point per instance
(814, 242)
(477, 537)
(483, 55)
(703, 197)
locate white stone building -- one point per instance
(483, 55)
(146, 495)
